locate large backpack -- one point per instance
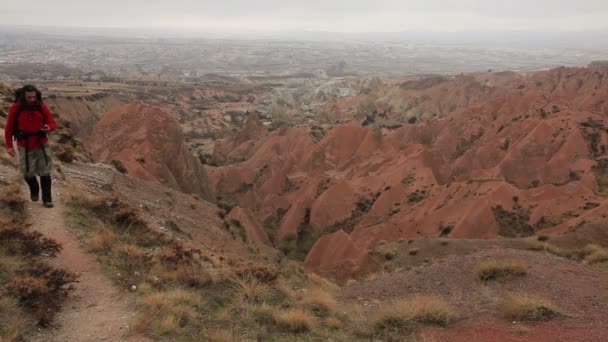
(19, 100)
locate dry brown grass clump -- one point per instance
(294, 320)
(251, 290)
(12, 203)
(403, 316)
(525, 307)
(102, 240)
(591, 254)
(550, 248)
(493, 269)
(168, 312)
(264, 273)
(319, 301)
(13, 321)
(595, 254)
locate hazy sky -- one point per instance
(316, 15)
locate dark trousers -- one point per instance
(45, 186)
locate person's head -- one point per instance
(30, 94)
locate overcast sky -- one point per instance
(314, 15)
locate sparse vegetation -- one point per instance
(294, 320)
(31, 290)
(404, 316)
(595, 254)
(591, 254)
(417, 196)
(601, 174)
(493, 269)
(527, 307)
(466, 144)
(513, 223)
(185, 294)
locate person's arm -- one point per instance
(48, 117)
(8, 130)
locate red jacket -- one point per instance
(31, 120)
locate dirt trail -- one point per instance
(96, 310)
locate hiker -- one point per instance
(29, 122)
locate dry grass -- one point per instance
(251, 290)
(334, 323)
(294, 320)
(595, 254)
(319, 301)
(525, 307)
(493, 269)
(289, 293)
(102, 240)
(403, 316)
(130, 258)
(322, 282)
(187, 295)
(13, 323)
(591, 254)
(414, 251)
(216, 335)
(549, 248)
(31, 290)
(168, 312)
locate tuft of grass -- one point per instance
(294, 320)
(591, 254)
(263, 313)
(414, 251)
(168, 312)
(334, 323)
(549, 248)
(596, 257)
(251, 290)
(13, 322)
(319, 301)
(526, 307)
(322, 282)
(493, 269)
(542, 238)
(102, 240)
(403, 316)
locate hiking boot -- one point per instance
(32, 183)
(45, 185)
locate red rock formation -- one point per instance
(150, 145)
(510, 155)
(252, 226)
